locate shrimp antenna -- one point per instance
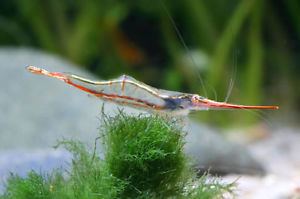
(186, 48)
(232, 80)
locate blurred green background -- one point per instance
(255, 43)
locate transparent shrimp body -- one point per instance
(128, 91)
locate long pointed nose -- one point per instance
(210, 104)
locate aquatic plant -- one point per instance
(144, 158)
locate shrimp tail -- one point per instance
(40, 71)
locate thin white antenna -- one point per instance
(183, 43)
(263, 116)
(232, 79)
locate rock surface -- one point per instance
(37, 111)
(279, 154)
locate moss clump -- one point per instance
(144, 159)
(34, 186)
(89, 176)
(86, 179)
(146, 152)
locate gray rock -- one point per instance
(212, 151)
(37, 111)
(41, 160)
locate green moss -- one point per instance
(144, 159)
(87, 179)
(207, 187)
(89, 176)
(148, 153)
(34, 186)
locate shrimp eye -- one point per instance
(195, 98)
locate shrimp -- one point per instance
(128, 91)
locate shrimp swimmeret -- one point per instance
(127, 91)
